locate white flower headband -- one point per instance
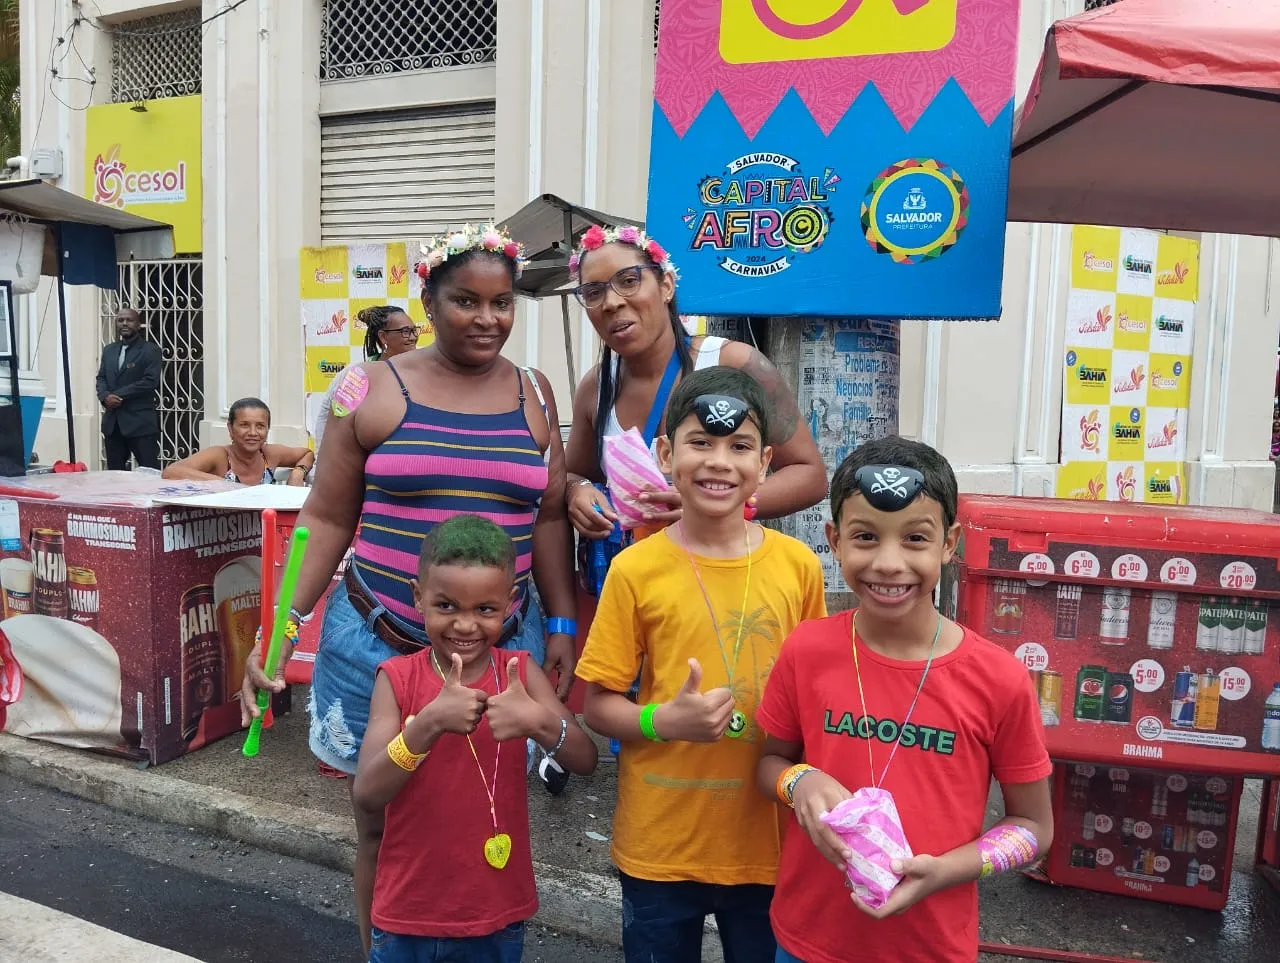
(471, 238)
(597, 237)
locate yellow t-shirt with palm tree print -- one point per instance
(690, 811)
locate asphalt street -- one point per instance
(209, 898)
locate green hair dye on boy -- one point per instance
(467, 540)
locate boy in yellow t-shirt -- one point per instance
(699, 611)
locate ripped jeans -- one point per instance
(346, 664)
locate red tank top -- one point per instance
(432, 877)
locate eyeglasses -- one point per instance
(626, 283)
(410, 332)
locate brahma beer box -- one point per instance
(126, 624)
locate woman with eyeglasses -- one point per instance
(627, 284)
(388, 331)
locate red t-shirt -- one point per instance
(977, 716)
(432, 877)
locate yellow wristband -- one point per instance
(786, 787)
(402, 756)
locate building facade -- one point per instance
(339, 121)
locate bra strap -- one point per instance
(403, 390)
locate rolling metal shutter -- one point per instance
(402, 174)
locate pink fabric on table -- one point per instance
(869, 825)
(631, 470)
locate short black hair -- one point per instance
(939, 479)
(455, 262)
(467, 540)
(719, 380)
(247, 404)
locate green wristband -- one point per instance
(646, 723)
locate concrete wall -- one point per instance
(573, 84)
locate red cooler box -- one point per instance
(1153, 631)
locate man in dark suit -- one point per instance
(127, 382)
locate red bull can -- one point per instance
(1182, 712)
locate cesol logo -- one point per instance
(115, 185)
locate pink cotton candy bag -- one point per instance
(631, 471)
(868, 823)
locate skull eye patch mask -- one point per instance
(720, 415)
(888, 488)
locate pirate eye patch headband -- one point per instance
(888, 488)
(721, 415)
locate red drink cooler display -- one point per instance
(130, 621)
(1153, 636)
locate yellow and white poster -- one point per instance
(148, 163)
(335, 285)
(1127, 366)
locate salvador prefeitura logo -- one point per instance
(915, 210)
(115, 185)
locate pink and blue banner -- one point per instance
(838, 158)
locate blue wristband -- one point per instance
(559, 626)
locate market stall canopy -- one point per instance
(1155, 113)
(549, 227)
(89, 224)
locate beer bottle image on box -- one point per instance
(202, 670)
(1007, 606)
(82, 596)
(17, 586)
(1114, 626)
(49, 560)
(237, 591)
(1091, 689)
(1208, 696)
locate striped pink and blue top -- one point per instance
(437, 464)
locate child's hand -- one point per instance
(921, 876)
(457, 708)
(815, 794)
(513, 713)
(694, 716)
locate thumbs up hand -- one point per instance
(693, 715)
(456, 708)
(513, 713)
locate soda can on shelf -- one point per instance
(1255, 627)
(1163, 620)
(1231, 631)
(1050, 692)
(1208, 622)
(1091, 693)
(1119, 709)
(1208, 695)
(1114, 626)
(1182, 713)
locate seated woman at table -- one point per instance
(248, 460)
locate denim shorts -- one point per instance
(662, 921)
(347, 662)
(504, 946)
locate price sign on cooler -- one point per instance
(1033, 656)
(1206, 839)
(1086, 770)
(1239, 577)
(1178, 571)
(1207, 873)
(1118, 775)
(1162, 864)
(1104, 857)
(1082, 565)
(1234, 683)
(1177, 782)
(1103, 823)
(1148, 675)
(1037, 563)
(1216, 785)
(1142, 829)
(1129, 568)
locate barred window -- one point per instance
(1095, 4)
(368, 37)
(657, 15)
(156, 57)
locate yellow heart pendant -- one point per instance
(497, 850)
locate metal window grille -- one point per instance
(170, 297)
(1095, 4)
(156, 57)
(368, 37)
(657, 16)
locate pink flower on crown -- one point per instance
(594, 239)
(422, 270)
(491, 241)
(512, 250)
(655, 252)
(629, 234)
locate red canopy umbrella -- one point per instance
(1155, 113)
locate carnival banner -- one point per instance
(335, 285)
(838, 158)
(1127, 376)
(148, 163)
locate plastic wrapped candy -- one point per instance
(869, 825)
(631, 471)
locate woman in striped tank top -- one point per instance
(449, 429)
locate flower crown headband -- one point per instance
(597, 237)
(471, 238)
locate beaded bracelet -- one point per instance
(564, 732)
(646, 723)
(290, 634)
(402, 755)
(786, 788)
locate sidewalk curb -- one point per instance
(582, 904)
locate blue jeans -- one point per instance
(504, 946)
(662, 922)
(785, 957)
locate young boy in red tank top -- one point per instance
(894, 697)
(444, 753)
